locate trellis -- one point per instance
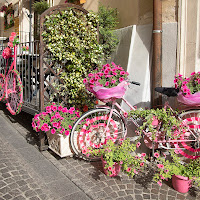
(48, 73)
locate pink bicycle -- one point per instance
(11, 88)
(96, 126)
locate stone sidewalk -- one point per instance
(27, 173)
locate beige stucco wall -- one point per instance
(134, 12)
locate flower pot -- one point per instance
(60, 144)
(181, 184)
(115, 168)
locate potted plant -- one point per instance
(183, 174)
(57, 122)
(115, 157)
(189, 88)
(157, 124)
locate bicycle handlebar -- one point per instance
(134, 82)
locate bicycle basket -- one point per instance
(109, 94)
(190, 100)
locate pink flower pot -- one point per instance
(181, 184)
(114, 171)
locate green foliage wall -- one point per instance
(71, 38)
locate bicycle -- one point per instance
(11, 88)
(96, 126)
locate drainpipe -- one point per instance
(157, 52)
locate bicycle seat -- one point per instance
(169, 91)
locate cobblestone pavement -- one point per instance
(19, 179)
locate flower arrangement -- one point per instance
(56, 119)
(167, 123)
(110, 75)
(121, 154)
(188, 85)
(166, 169)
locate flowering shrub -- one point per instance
(165, 168)
(188, 85)
(56, 119)
(111, 152)
(108, 76)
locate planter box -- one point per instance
(59, 144)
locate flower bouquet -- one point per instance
(107, 83)
(57, 122)
(116, 157)
(189, 89)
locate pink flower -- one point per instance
(143, 154)
(53, 131)
(141, 164)
(121, 79)
(33, 124)
(90, 75)
(45, 127)
(84, 80)
(107, 83)
(121, 162)
(193, 73)
(55, 124)
(160, 166)
(66, 132)
(113, 81)
(70, 127)
(163, 178)
(13, 34)
(138, 144)
(156, 155)
(159, 183)
(10, 44)
(110, 168)
(166, 170)
(92, 81)
(114, 73)
(65, 110)
(48, 109)
(122, 73)
(53, 108)
(135, 171)
(60, 108)
(129, 169)
(11, 38)
(125, 114)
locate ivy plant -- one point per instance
(71, 38)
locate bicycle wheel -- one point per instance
(90, 131)
(2, 86)
(189, 146)
(15, 92)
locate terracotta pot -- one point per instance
(115, 168)
(181, 184)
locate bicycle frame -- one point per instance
(13, 66)
(160, 142)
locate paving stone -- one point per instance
(138, 197)
(146, 196)
(129, 197)
(121, 193)
(180, 197)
